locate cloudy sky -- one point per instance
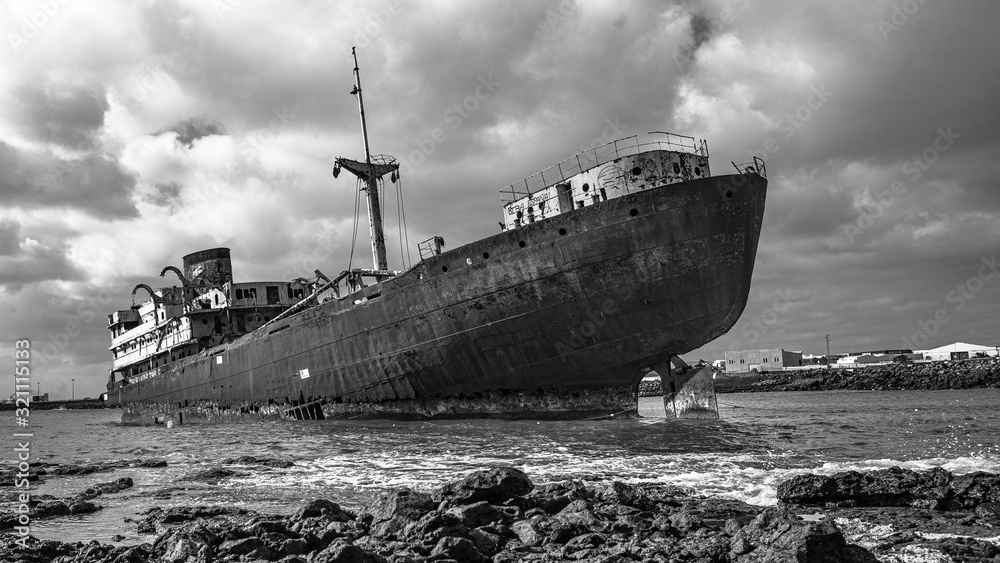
(132, 133)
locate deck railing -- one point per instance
(592, 158)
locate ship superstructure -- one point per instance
(207, 310)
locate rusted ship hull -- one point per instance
(557, 319)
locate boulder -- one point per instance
(777, 534)
(495, 486)
(458, 549)
(212, 476)
(322, 509)
(342, 551)
(391, 512)
(185, 545)
(264, 461)
(529, 532)
(111, 487)
(886, 487)
(622, 493)
(477, 514)
(976, 488)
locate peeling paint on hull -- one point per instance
(569, 307)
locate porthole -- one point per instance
(586, 187)
(562, 232)
(677, 168)
(521, 243)
(486, 255)
(633, 212)
(204, 321)
(636, 171)
(697, 171)
(729, 194)
(444, 268)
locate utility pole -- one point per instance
(39, 392)
(74, 388)
(827, 351)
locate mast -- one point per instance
(370, 181)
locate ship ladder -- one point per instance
(312, 410)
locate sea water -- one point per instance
(759, 440)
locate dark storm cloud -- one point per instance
(73, 329)
(891, 94)
(9, 237)
(190, 130)
(95, 185)
(36, 263)
(67, 115)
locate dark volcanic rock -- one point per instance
(495, 486)
(341, 551)
(111, 487)
(887, 487)
(478, 514)
(976, 488)
(556, 522)
(934, 489)
(628, 495)
(187, 544)
(459, 549)
(391, 512)
(212, 476)
(778, 535)
(265, 461)
(157, 517)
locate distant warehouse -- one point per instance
(761, 360)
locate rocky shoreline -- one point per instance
(499, 515)
(969, 374)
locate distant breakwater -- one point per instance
(53, 405)
(968, 374)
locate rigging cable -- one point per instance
(402, 209)
(354, 238)
(399, 224)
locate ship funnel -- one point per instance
(209, 267)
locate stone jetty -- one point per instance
(968, 374)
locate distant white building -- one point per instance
(957, 351)
(847, 361)
(761, 360)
